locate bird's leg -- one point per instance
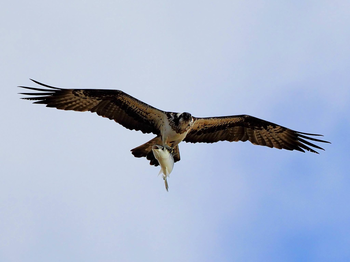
(164, 144)
(169, 148)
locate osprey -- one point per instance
(171, 128)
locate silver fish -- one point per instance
(166, 161)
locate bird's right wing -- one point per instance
(113, 104)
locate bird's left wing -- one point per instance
(257, 131)
(113, 104)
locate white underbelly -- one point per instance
(171, 138)
(174, 138)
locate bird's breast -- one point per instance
(172, 137)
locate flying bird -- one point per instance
(171, 128)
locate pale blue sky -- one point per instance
(70, 190)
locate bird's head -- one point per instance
(181, 122)
(185, 119)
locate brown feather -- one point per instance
(257, 131)
(113, 104)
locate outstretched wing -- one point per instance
(113, 104)
(257, 131)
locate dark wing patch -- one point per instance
(113, 104)
(257, 131)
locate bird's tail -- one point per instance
(145, 150)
